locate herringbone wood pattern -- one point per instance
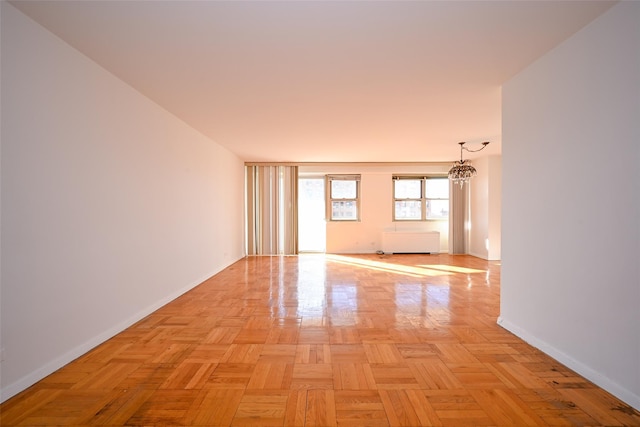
(315, 340)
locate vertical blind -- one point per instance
(272, 216)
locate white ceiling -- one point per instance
(306, 81)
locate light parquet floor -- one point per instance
(323, 340)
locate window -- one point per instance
(420, 198)
(343, 192)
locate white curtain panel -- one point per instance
(459, 214)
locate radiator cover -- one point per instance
(411, 242)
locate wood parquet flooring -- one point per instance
(315, 340)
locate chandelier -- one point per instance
(462, 170)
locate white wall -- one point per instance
(494, 234)
(111, 206)
(365, 236)
(571, 203)
(485, 207)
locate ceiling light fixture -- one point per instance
(462, 170)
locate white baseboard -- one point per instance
(589, 373)
(481, 256)
(52, 366)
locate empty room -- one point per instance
(319, 213)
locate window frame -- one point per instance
(330, 199)
(423, 200)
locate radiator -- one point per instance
(411, 242)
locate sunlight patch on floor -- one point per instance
(413, 271)
(452, 268)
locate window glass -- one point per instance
(437, 188)
(438, 209)
(342, 189)
(408, 209)
(407, 188)
(344, 210)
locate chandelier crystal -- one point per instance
(462, 171)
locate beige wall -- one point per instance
(485, 200)
(365, 236)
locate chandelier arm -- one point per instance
(484, 145)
